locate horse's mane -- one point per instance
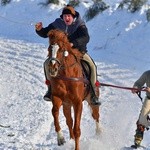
(60, 37)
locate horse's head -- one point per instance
(57, 36)
(60, 51)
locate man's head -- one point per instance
(68, 15)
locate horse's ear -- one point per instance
(50, 33)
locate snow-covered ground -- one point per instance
(120, 47)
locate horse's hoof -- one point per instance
(99, 132)
(98, 129)
(61, 141)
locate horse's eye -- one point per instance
(66, 53)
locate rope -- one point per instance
(17, 22)
(127, 88)
(120, 87)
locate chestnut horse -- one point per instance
(69, 86)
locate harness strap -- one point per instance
(72, 79)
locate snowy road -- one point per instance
(26, 120)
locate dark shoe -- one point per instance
(134, 146)
(95, 100)
(47, 96)
(139, 135)
(95, 96)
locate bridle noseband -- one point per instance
(55, 59)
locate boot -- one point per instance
(138, 137)
(95, 96)
(47, 96)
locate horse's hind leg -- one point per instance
(95, 113)
(69, 120)
(96, 116)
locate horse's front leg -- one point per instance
(77, 131)
(55, 111)
(69, 120)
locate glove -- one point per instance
(135, 90)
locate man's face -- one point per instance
(68, 19)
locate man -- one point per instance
(143, 121)
(71, 23)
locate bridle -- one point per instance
(54, 60)
(60, 62)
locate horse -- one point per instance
(69, 87)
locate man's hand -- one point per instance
(148, 89)
(135, 89)
(38, 26)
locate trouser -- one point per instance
(144, 113)
(93, 68)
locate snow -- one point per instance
(119, 45)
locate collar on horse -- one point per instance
(79, 79)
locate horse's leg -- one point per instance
(77, 131)
(69, 120)
(95, 115)
(55, 111)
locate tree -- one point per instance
(132, 5)
(5, 2)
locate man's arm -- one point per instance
(43, 31)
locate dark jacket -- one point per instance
(77, 32)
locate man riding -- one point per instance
(71, 23)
